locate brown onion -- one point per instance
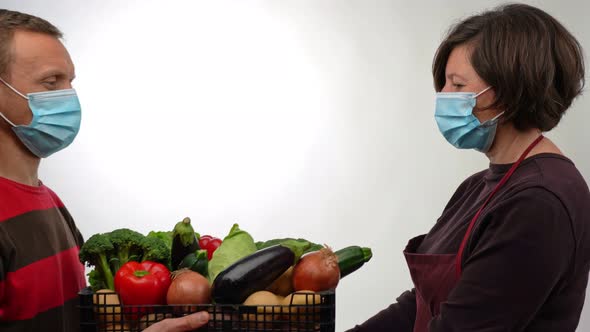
(317, 271)
(188, 287)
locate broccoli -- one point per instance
(97, 251)
(164, 236)
(127, 244)
(109, 251)
(155, 250)
(95, 280)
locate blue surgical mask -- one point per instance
(455, 120)
(55, 123)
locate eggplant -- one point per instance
(250, 274)
(184, 242)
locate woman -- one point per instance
(511, 250)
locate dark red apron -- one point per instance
(435, 276)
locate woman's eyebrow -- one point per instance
(451, 75)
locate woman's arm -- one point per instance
(523, 249)
(398, 317)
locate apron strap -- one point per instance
(459, 258)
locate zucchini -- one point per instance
(196, 261)
(184, 242)
(250, 274)
(352, 258)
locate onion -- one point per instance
(188, 287)
(317, 271)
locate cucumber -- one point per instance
(352, 258)
(250, 274)
(184, 242)
(196, 261)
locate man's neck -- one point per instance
(510, 143)
(17, 163)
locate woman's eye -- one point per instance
(458, 86)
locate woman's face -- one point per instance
(461, 77)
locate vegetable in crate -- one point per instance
(127, 247)
(97, 251)
(268, 309)
(352, 258)
(283, 285)
(196, 261)
(166, 237)
(142, 283)
(107, 306)
(304, 244)
(317, 271)
(301, 304)
(184, 241)
(188, 287)
(155, 250)
(236, 245)
(251, 274)
(210, 244)
(107, 251)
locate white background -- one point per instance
(293, 118)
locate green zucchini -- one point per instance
(352, 258)
(196, 261)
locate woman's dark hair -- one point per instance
(534, 64)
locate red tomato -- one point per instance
(210, 244)
(142, 283)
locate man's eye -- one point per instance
(49, 84)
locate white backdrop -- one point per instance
(293, 118)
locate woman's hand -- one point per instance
(181, 324)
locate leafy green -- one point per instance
(298, 246)
(237, 244)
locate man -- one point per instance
(40, 274)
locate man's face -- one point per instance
(39, 62)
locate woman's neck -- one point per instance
(510, 143)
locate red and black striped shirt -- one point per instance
(40, 274)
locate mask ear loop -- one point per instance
(13, 89)
(484, 90)
(497, 116)
(20, 94)
(6, 119)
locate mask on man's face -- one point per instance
(55, 123)
(455, 120)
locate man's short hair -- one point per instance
(11, 21)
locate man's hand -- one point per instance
(181, 324)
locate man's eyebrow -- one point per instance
(54, 72)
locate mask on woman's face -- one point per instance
(455, 120)
(55, 124)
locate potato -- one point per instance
(283, 285)
(107, 306)
(267, 309)
(303, 305)
(117, 328)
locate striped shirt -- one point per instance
(40, 273)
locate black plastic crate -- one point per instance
(317, 313)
